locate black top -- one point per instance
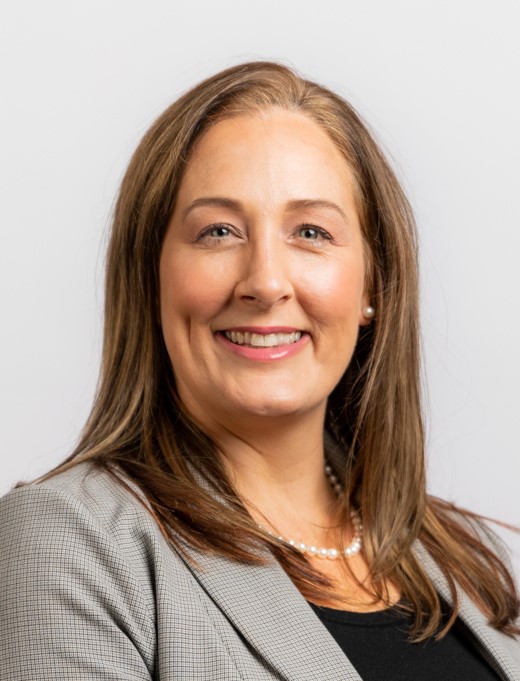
(376, 644)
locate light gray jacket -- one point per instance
(89, 589)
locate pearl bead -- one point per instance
(332, 553)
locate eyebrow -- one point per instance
(317, 203)
(296, 204)
(219, 201)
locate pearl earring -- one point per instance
(368, 312)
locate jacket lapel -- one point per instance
(271, 614)
(265, 606)
(274, 618)
(495, 647)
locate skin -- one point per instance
(264, 235)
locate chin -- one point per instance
(274, 407)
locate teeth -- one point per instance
(258, 340)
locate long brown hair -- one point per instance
(139, 426)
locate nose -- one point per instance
(265, 278)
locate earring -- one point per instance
(368, 312)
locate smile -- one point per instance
(259, 340)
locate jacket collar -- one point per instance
(274, 618)
(272, 615)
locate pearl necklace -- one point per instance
(323, 552)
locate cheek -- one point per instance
(335, 293)
(190, 290)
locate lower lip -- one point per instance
(265, 354)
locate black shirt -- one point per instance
(377, 644)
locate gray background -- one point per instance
(437, 81)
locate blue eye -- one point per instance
(312, 233)
(219, 231)
(219, 235)
(309, 233)
(215, 233)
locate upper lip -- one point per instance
(262, 330)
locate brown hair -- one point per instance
(138, 423)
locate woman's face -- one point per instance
(262, 270)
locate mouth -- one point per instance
(262, 340)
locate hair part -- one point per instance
(139, 426)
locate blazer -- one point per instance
(90, 589)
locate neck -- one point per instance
(277, 469)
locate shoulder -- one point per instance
(81, 522)
(90, 588)
(82, 512)
(82, 505)
(86, 483)
(83, 491)
(76, 567)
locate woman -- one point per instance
(247, 500)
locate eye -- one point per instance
(215, 233)
(313, 233)
(218, 231)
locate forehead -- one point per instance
(277, 153)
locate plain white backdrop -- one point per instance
(436, 80)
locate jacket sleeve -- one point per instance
(70, 605)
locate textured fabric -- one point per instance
(378, 646)
(89, 589)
